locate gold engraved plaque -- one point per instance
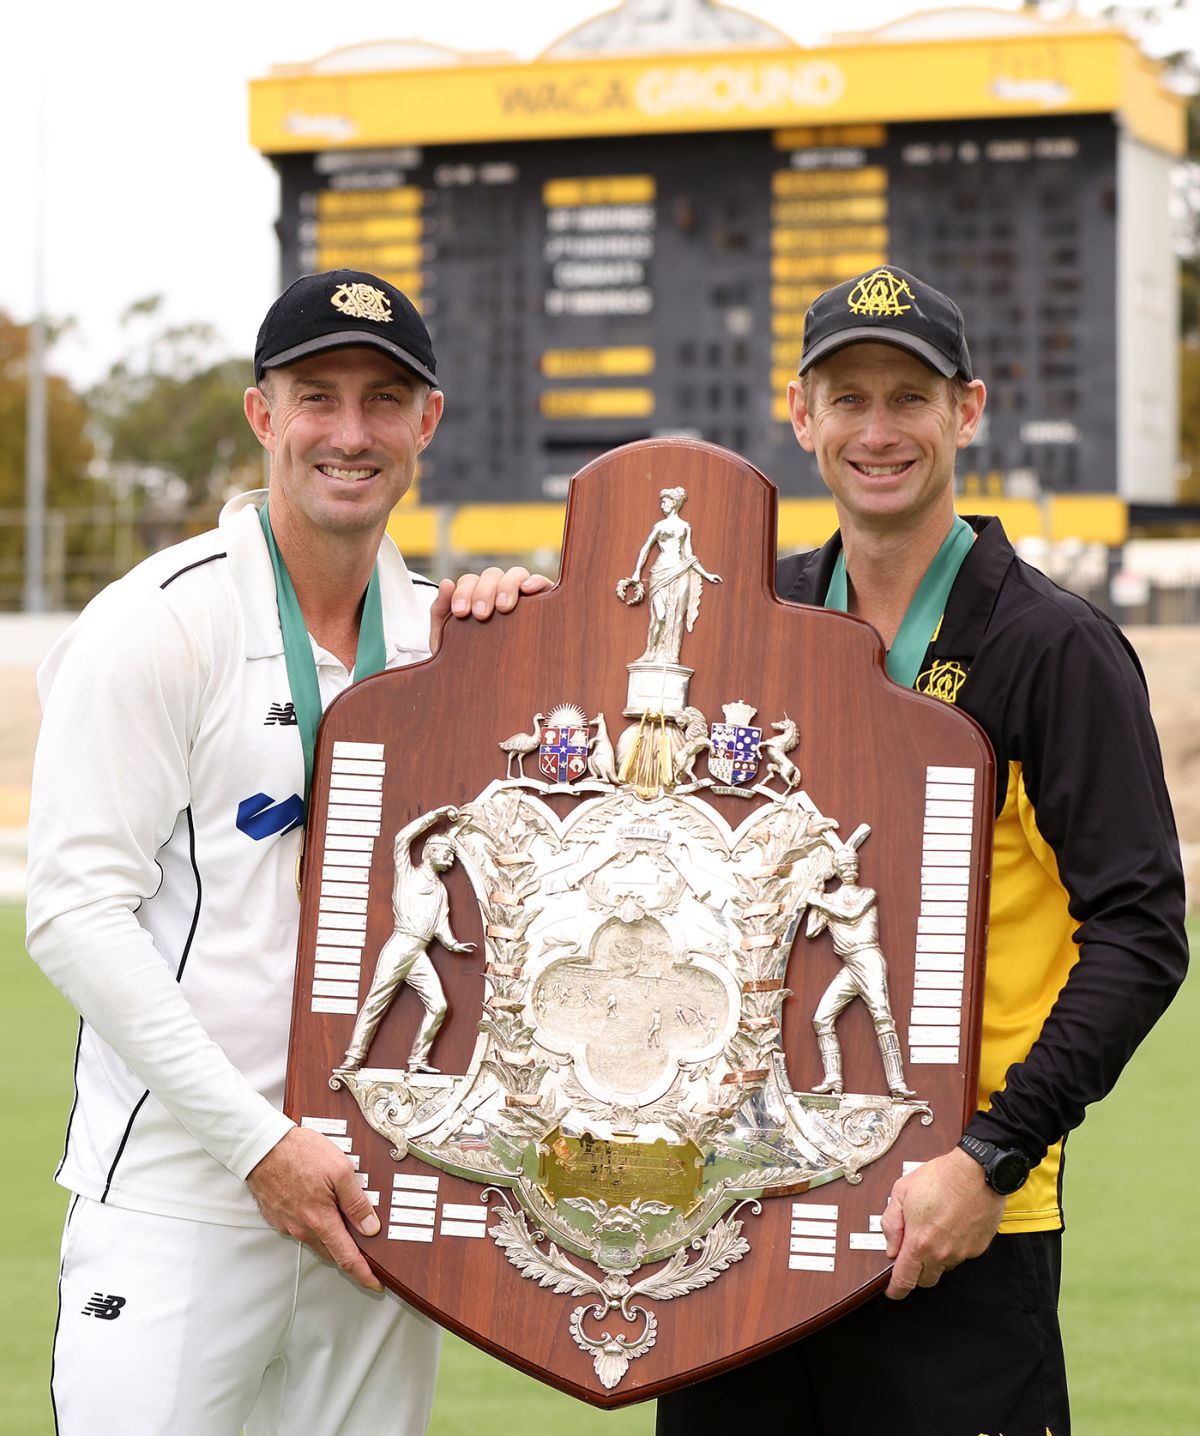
(619, 1169)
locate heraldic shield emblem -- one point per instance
(641, 945)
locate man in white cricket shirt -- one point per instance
(209, 1281)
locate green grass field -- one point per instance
(1131, 1299)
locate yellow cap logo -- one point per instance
(361, 301)
(879, 295)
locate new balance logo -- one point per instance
(107, 1308)
(284, 713)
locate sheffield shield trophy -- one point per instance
(641, 946)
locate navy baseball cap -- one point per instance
(340, 308)
(888, 306)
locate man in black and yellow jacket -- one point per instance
(1086, 939)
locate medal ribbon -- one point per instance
(924, 614)
(371, 656)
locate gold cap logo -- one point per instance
(361, 301)
(879, 295)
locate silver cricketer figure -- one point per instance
(421, 909)
(852, 918)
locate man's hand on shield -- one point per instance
(938, 1217)
(309, 1191)
(479, 595)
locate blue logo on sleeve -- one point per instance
(261, 817)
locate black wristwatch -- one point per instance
(1004, 1170)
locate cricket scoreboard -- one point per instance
(618, 248)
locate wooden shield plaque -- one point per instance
(641, 946)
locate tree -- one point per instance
(169, 411)
(69, 451)
(1189, 422)
(1188, 195)
(1188, 191)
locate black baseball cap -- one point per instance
(340, 308)
(888, 306)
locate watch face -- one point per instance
(1007, 1174)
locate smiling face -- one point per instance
(344, 429)
(885, 429)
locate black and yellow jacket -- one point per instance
(1086, 941)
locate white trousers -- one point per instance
(194, 1329)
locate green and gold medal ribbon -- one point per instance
(371, 656)
(924, 613)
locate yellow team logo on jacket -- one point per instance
(879, 295)
(942, 680)
(361, 301)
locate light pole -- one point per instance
(35, 379)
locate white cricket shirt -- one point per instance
(162, 860)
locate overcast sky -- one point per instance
(151, 182)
